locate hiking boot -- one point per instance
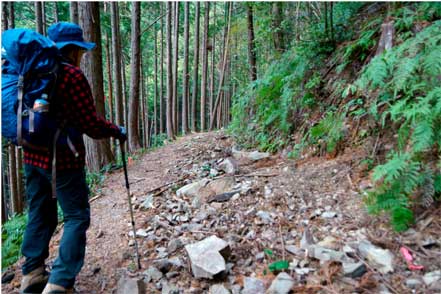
(56, 289)
(34, 282)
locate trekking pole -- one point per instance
(123, 155)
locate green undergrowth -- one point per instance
(295, 103)
(12, 237)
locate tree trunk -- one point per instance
(169, 113)
(20, 182)
(5, 16)
(251, 45)
(5, 183)
(56, 17)
(98, 152)
(213, 54)
(224, 64)
(134, 142)
(39, 17)
(204, 65)
(161, 98)
(278, 35)
(175, 70)
(331, 18)
(326, 19)
(195, 69)
(13, 179)
(119, 116)
(155, 98)
(185, 90)
(11, 15)
(73, 11)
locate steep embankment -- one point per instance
(278, 209)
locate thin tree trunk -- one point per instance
(134, 142)
(213, 54)
(119, 117)
(331, 18)
(155, 98)
(73, 10)
(175, 70)
(251, 46)
(5, 183)
(20, 182)
(161, 98)
(185, 89)
(204, 65)
(5, 16)
(124, 88)
(326, 19)
(13, 179)
(221, 79)
(11, 15)
(169, 113)
(195, 69)
(39, 17)
(109, 78)
(56, 17)
(98, 152)
(43, 13)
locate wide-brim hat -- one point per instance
(66, 33)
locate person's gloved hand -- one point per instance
(122, 137)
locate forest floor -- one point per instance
(308, 212)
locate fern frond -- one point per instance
(423, 135)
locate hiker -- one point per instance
(74, 106)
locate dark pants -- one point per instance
(72, 195)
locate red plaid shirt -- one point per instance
(76, 106)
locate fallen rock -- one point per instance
(329, 242)
(192, 190)
(381, 259)
(282, 284)
(207, 257)
(130, 286)
(413, 283)
(223, 197)
(229, 166)
(328, 214)
(253, 286)
(325, 254)
(152, 274)
(254, 155)
(432, 277)
(218, 289)
(148, 202)
(217, 187)
(174, 245)
(168, 288)
(354, 269)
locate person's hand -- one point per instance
(122, 137)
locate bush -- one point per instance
(12, 237)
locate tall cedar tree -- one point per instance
(39, 17)
(251, 45)
(73, 11)
(175, 69)
(169, 112)
(185, 88)
(204, 66)
(98, 152)
(116, 52)
(134, 142)
(195, 68)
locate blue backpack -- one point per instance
(30, 64)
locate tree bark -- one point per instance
(56, 17)
(185, 88)
(161, 98)
(11, 15)
(169, 114)
(20, 182)
(195, 69)
(39, 17)
(5, 16)
(119, 116)
(155, 98)
(175, 70)
(204, 66)
(13, 179)
(251, 46)
(224, 64)
(213, 54)
(134, 142)
(98, 152)
(73, 11)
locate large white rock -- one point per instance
(381, 259)
(192, 190)
(229, 166)
(207, 257)
(253, 286)
(130, 286)
(218, 289)
(282, 284)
